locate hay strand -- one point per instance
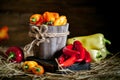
(108, 68)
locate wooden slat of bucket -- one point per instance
(52, 42)
(62, 40)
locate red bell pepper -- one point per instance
(87, 57)
(14, 54)
(61, 59)
(69, 61)
(77, 46)
(74, 53)
(69, 51)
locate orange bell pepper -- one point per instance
(38, 70)
(55, 14)
(50, 17)
(36, 19)
(4, 33)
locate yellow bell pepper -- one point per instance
(27, 66)
(62, 20)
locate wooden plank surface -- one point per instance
(84, 16)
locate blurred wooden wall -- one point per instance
(84, 16)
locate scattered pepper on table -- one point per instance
(95, 45)
(38, 70)
(33, 67)
(27, 66)
(74, 53)
(15, 54)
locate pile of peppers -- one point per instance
(73, 53)
(95, 45)
(48, 18)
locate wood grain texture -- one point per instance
(84, 16)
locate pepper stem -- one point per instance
(38, 69)
(26, 67)
(107, 41)
(10, 56)
(33, 19)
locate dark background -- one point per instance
(84, 16)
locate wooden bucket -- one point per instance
(47, 50)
